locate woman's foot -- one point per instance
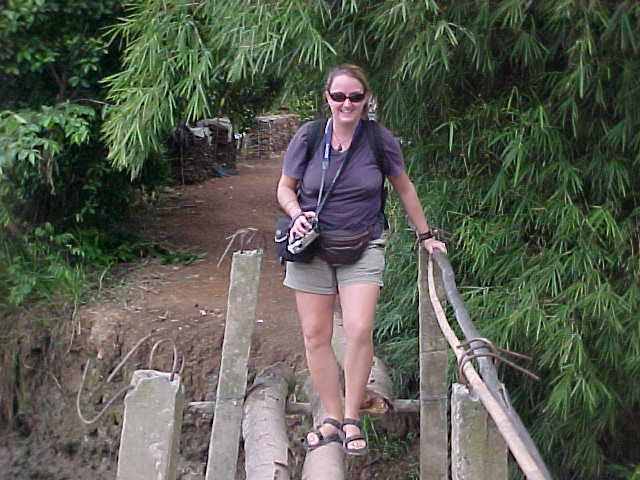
(354, 442)
(328, 431)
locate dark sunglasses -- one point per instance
(341, 97)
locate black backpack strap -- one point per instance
(314, 137)
(316, 133)
(373, 133)
(373, 130)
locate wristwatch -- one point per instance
(425, 236)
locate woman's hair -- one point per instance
(353, 71)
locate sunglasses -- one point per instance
(341, 97)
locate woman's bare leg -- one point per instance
(316, 318)
(358, 312)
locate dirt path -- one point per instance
(187, 303)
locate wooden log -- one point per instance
(378, 392)
(266, 443)
(300, 408)
(399, 405)
(232, 384)
(328, 461)
(434, 452)
(377, 399)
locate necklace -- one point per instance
(342, 143)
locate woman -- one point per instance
(355, 205)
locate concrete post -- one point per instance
(232, 383)
(477, 447)
(151, 428)
(434, 451)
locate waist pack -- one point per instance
(281, 239)
(342, 247)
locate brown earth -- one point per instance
(185, 303)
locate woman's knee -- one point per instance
(316, 337)
(359, 333)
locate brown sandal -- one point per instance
(347, 440)
(334, 437)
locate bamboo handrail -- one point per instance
(489, 388)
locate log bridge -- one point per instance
(484, 426)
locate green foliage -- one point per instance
(33, 146)
(50, 169)
(63, 209)
(306, 106)
(625, 473)
(188, 60)
(53, 177)
(521, 126)
(51, 51)
(389, 448)
(533, 165)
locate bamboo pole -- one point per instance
(266, 443)
(518, 449)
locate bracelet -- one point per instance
(425, 236)
(296, 216)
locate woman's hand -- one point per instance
(302, 224)
(431, 245)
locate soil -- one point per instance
(184, 303)
(187, 303)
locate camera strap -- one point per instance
(326, 158)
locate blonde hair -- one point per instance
(352, 71)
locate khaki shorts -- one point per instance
(319, 277)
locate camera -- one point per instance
(298, 244)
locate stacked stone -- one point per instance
(271, 134)
(199, 152)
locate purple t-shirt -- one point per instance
(354, 203)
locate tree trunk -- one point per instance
(377, 395)
(266, 443)
(328, 461)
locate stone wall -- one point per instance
(271, 134)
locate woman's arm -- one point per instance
(288, 201)
(411, 203)
(286, 195)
